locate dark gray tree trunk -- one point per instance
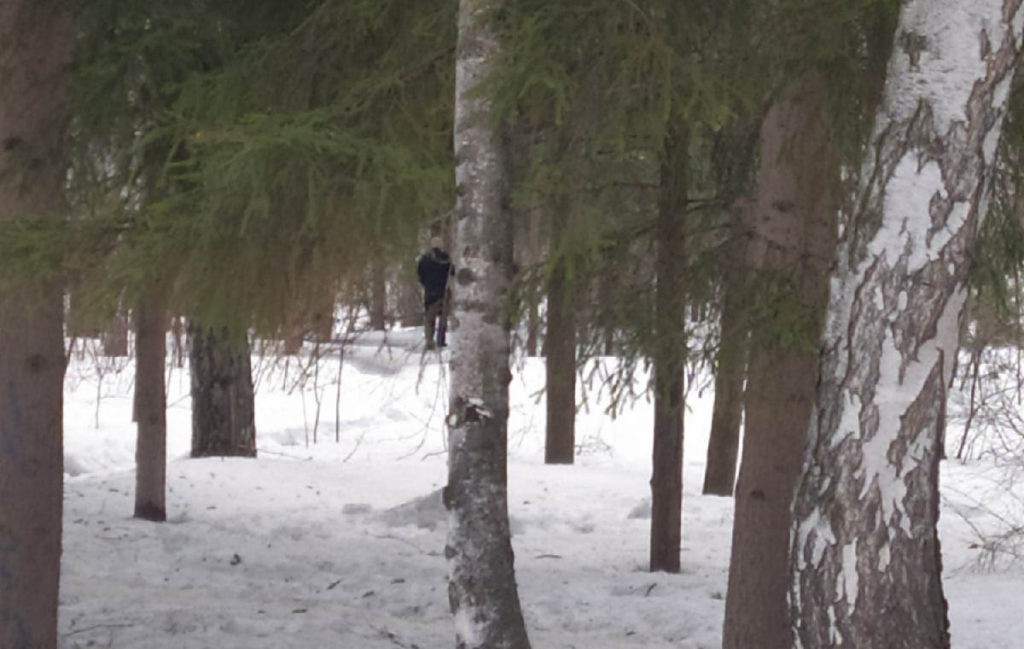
(410, 297)
(790, 253)
(378, 296)
(481, 586)
(115, 335)
(294, 335)
(560, 344)
(34, 52)
(79, 322)
(865, 557)
(178, 338)
(730, 365)
(223, 420)
(322, 320)
(607, 293)
(150, 409)
(669, 357)
(532, 328)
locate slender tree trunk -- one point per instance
(532, 327)
(481, 586)
(607, 289)
(80, 323)
(177, 336)
(294, 335)
(730, 366)
(793, 244)
(410, 297)
(865, 556)
(115, 335)
(150, 409)
(669, 357)
(34, 51)
(533, 254)
(560, 443)
(223, 420)
(378, 296)
(322, 320)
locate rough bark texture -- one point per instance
(790, 253)
(150, 410)
(560, 345)
(866, 560)
(481, 587)
(730, 367)
(34, 51)
(669, 359)
(222, 395)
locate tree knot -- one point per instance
(468, 410)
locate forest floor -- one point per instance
(334, 536)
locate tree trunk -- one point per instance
(322, 320)
(115, 335)
(481, 586)
(294, 336)
(177, 336)
(378, 296)
(532, 256)
(410, 297)
(532, 327)
(669, 357)
(865, 557)
(730, 366)
(79, 321)
(222, 394)
(794, 240)
(34, 51)
(560, 443)
(607, 293)
(150, 409)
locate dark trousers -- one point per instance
(436, 322)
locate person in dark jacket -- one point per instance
(434, 270)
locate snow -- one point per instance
(950, 56)
(341, 544)
(849, 580)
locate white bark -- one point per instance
(482, 589)
(865, 549)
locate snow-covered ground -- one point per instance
(339, 543)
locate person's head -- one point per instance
(436, 242)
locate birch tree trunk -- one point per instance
(150, 409)
(865, 555)
(669, 357)
(35, 45)
(790, 254)
(481, 586)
